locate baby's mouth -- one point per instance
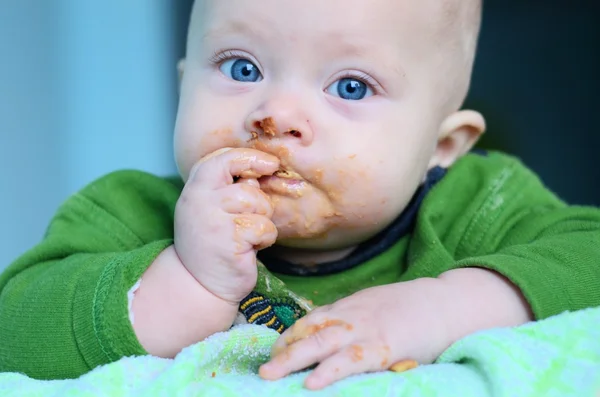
(287, 174)
(284, 183)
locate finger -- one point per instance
(352, 360)
(214, 154)
(306, 352)
(218, 169)
(316, 321)
(243, 199)
(254, 230)
(249, 181)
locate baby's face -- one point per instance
(351, 90)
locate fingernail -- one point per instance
(267, 366)
(193, 172)
(265, 371)
(313, 383)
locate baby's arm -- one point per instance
(64, 304)
(480, 299)
(171, 310)
(410, 321)
(193, 289)
(513, 253)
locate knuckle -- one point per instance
(184, 198)
(322, 310)
(243, 222)
(265, 225)
(356, 353)
(192, 193)
(243, 191)
(245, 188)
(323, 341)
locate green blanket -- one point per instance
(559, 356)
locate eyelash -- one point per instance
(363, 77)
(219, 57)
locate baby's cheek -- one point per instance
(193, 144)
(358, 193)
(216, 139)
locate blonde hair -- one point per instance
(460, 24)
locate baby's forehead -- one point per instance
(313, 16)
(413, 34)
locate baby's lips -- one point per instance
(287, 174)
(281, 173)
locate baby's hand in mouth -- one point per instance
(220, 224)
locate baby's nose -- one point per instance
(268, 128)
(281, 119)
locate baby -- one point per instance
(326, 137)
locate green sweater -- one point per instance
(64, 305)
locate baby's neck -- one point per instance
(308, 258)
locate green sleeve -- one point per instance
(63, 304)
(494, 213)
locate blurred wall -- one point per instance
(32, 176)
(537, 80)
(87, 87)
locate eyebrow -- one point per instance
(337, 43)
(236, 27)
(340, 44)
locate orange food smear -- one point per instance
(243, 223)
(300, 331)
(384, 361)
(249, 174)
(268, 126)
(404, 365)
(357, 353)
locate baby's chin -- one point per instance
(315, 223)
(333, 240)
(297, 228)
(324, 234)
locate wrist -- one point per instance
(220, 286)
(228, 305)
(478, 299)
(172, 310)
(435, 313)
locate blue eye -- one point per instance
(239, 69)
(350, 89)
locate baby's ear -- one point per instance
(180, 71)
(458, 134)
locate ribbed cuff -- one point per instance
(539, 283)
(101, 323)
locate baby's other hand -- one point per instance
(366, 332)
(222, 218)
